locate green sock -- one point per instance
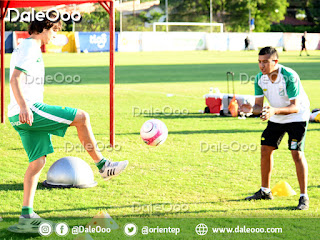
(101, 163)
(26, 210)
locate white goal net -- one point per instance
(195, 26)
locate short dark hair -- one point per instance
(270, 51)
(38, 26)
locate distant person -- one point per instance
(246, 43)
(288, 112)
(303, 43)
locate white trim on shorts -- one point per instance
(50, 116)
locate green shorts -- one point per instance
(47, 120)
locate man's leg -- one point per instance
(85, 134)
(266, 165)
(266, 168)
(302, 169)
(302, 174)
(29, 221)
(307, 52)
(297, 135)
(31, 182)
(270, 140)
(106, 168)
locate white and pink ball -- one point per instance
(154, 132)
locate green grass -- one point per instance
(200, 184)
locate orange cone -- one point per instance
(282, 189)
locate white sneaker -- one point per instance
(112, 169)
(31, 223)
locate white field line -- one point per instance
(160, 93)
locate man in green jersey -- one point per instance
(288, 112)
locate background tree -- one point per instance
(267, 12)
(302, 10)
(315, 11)
(17, 26)
(234, 13)
(94, 21)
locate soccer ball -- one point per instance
(154, 132)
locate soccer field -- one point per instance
(176, 179)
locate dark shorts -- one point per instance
(274, 133)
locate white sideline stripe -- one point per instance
(152, 92)
(50, 116)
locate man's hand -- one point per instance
(267, 113)
(26, 116)
(246, 108)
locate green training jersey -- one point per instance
(279, 93)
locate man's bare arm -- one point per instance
(257, 108)
(25, 115)
(270, 111)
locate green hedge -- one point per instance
(290, 28)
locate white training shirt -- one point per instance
(287, 87)
(27, 57)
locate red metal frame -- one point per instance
(2, 65)
(3, 13)
(107, 5)
(110, 9)
(112, 73)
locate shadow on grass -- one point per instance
(314, 124)
(202, 131)
(170, 73)
(166, 214)
(250, 209)
(15, 149)
(141, 206)
(11, 187)
(289, 208)
(173, 116)
(235, 200)
(19, 187)
(16, 236)
(311, 130)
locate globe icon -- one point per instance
(201, 229)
